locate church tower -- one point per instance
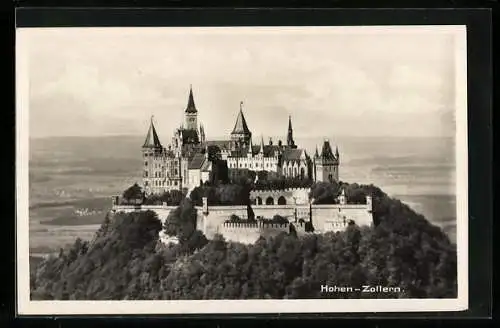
(326, 164)
(153, 162)
(289, 139)
(241, 135)
(191, 113)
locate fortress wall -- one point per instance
(328, 218)
(240, 232)
(292, 195)
(248, 233)
(161, 211)
(268, 211)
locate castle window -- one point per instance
(145, 174)
(281, 201)
(270, 201)
(146, 163)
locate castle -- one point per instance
(189, 159)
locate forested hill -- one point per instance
(126, 261)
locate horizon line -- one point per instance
(225, 137)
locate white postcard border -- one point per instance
(25, 306)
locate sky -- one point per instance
(332, 81)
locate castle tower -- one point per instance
(289, 139)
(250, 149)
(261, 149)
(241, 134)
(153, 162)
(326, 165)
(202, 134)
(191, 113)
(342, 198)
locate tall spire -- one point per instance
(152, 140)
(289, 139)
(261, 150)
(337, 152)
(316, 154)
(191, 107)
(241, 127)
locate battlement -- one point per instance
(256, 225)
(257, 191)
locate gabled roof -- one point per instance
(222, 144)
(152, 140)
(240, 127)
(190, 136)
(326, 151)
(196, 162)
(191, 107)
(243, 151)
(292, 154)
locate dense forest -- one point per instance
(125, 260)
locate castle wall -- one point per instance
(212, 219)
(331, 217)
(161, 211)
(291, 195)
(248, 233)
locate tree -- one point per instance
(134, 192)
(123, 262)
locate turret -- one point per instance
(152, 154)
(191, 113)
(261, 150)
(342, 198)
(249, 149)
(326, 164)
(241, 134)
(289, 139)
(202, 133)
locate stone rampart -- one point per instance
(161, 210)
(248, 233)
(288, 196)
(212, 219)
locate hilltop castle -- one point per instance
(189, 159)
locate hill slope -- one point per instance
(125, 260)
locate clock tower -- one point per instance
(191, 113)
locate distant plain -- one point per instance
(72, 179)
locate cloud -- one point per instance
(351, 83)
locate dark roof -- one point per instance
(292, 154)
(243, 151)
(222, 144)
(190, 136)
(152, 140)
(196, 162)
(191, 107)
(241, 127)
(326, 151)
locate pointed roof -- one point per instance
(191, 107)
(152, 140)
(241, 127)
(261, 149)
(289, 122)
(316, 154)
(326, 151)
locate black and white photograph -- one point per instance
(174, 170)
